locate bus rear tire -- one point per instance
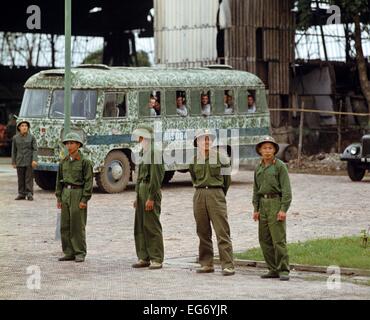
(115, 174)
(46, 180)
(168, 175)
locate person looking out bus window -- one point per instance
(206, 106)
(181, 107)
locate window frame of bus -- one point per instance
(169, 95)
(244, 93)
(220, 109)
(196, 110)
(148, 95)
(74, 117)
(116, 93)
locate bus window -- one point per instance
(176, 103)
(83, 104)
(247, 101)
(201, 103)
(229, 102)
(34, 103)
(205, 104)
(150, 104)
(223, 102)
(115, 105)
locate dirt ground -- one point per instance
(323, 206)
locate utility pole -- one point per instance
(67, 86)
(67, 67)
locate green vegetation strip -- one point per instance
(346, 252)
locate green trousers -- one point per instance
(210, 207)
(73, 224)
(148, 228)
(25, 180)
(272, 236)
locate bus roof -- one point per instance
(101, 76)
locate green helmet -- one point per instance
(143, 131)
(267, 139)
(19, 122)
(73, 136)
(201, 133)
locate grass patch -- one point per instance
(346, 252)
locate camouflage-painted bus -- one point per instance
(108, 103)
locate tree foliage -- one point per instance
(97, 57)
(348, 9)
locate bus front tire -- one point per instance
(115, 174)
(46, 180)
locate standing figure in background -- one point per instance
(24, 159)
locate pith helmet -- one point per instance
(267, 139)
(73, 136)
(19, 122)
(143, 131)
(201, 133)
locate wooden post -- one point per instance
(300, 135)
(340, 126)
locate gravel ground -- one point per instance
(323, 206)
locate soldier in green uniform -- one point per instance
(148, 228)
(210, 174)
(24, 159)
(73, 190)
(271, 200)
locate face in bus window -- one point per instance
(251, 104)
(157, 107)
(206, 107)
(152, 102)
(179, 102)
(204, 100)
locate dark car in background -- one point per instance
(357, 156)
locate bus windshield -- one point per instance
(83, 104)
(34, 103)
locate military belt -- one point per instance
(208, 187)
(271, 195)
(72, 186)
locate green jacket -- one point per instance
(77, 172)
(272, 179)
(152, 174)
(206, 174)
(24, 150)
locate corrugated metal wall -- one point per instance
(185, 32)
(268, 26)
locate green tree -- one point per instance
(94, 57)
(97, 57)
(352, 11)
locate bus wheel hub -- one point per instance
(117, 171)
